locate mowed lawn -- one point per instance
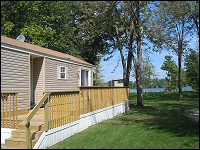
(160, 124)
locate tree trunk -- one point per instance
(130, 57)
(180, 53)
(128, 69)
(125, 73)
(140, 101)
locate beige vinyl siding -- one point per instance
(38, 78)
(15, 75)
(51, 78)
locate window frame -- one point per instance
(60, 72)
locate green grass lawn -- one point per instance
(160, 124)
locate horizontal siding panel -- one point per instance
(55, 84)
(15, 75)
(38, 78)
(16, 60)
(8, 88)
(7, 68)
(6, 80)
(15, 66)
(19, 57)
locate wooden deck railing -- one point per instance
(9, 110)
(94, 98)
(30, 116)
(64, 107)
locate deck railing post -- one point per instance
(16, 108)
(2, 114)
(30, 116)
(46, 120)
(10, 111)
(13, 110)
(28, 139)
(8, 105)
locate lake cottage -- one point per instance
(47, 96)
(31, 70)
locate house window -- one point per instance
(62, 72)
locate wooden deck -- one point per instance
(18, 138)
(61, 108)
(37, 120)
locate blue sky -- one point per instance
(158, 59)
(108, 66)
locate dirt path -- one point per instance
(194, 115)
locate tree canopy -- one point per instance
(170, 66)
(192, 69)
(50, 24)
(175, 22)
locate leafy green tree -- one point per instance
(50, 24)
(159, 83)
(192, 69)
(89, 30)
(194, 15)
(172, 26)
(184, 77)
(44, 23)
(132, 85)
(170, 66)
(148, 71)
(14, 16)
(120, 25)
(98, 77)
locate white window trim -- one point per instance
(89, 75)
(59, 72)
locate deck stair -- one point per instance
(18, 137)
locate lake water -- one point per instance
(187, 88)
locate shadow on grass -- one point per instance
(166, 113)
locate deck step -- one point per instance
(18, 137)
(22, 134)
(35, 126)
(11, 147)
(18, 142)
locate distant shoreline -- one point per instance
(187, 88)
